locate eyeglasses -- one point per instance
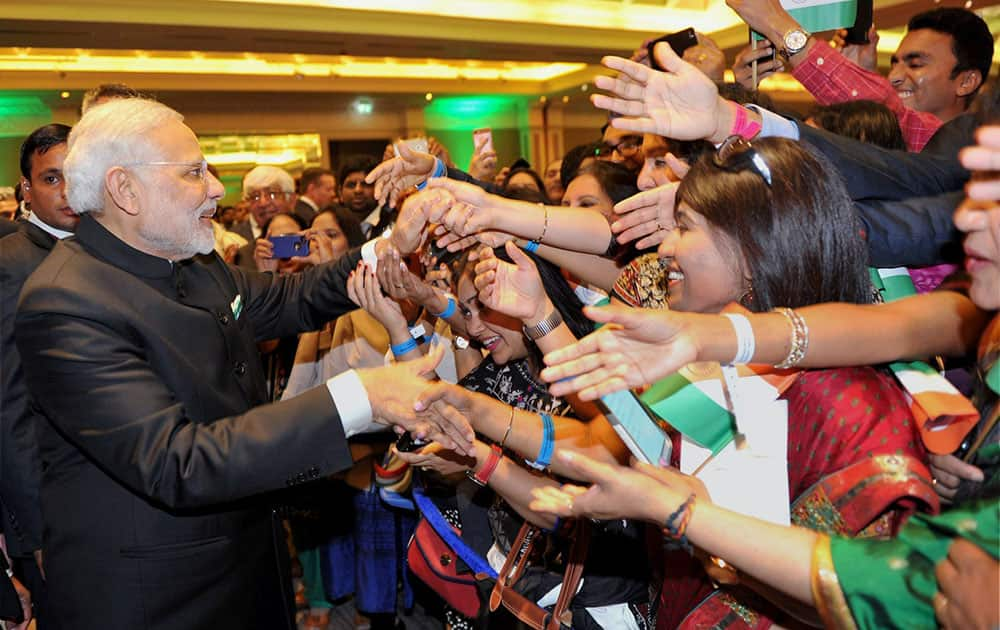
(198, 169)
(627, 147)
(737, 153)
(268, 195)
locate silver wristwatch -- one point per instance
(793, 41)
(544, 327)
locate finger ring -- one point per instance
(933, 481)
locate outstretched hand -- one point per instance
(647, 216)
(634, 348)
(512, 289)
(681, 103)
(392, 391)
(983, 156)
(395, 175)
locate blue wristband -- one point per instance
(531, 246)
(448, 310)
(439, 171)
(548, 443)
(400, 349)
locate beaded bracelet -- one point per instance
(548, 444)
(800, 339)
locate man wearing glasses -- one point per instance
(269, 191)
(622, 147)
(159, 449)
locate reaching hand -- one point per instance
(681, 103)
(392, 391)
(410, 229)
(263, 255)
(320, 248)
(364, 290)
(451, 402)
(949, 472)
(863, 55)
(394, 176)
(24, 596)
(707, 57)
(743, 65)
(617, 491)
(639, 347)
(968, 588)
(454, 243)
(512, 289)
(483, 165)
(983, 156)
(647, 216)
(439, 459)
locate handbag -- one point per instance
(432, 555)
(523, 608)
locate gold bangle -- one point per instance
(510, 425)
(800, 339)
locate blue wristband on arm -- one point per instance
(448, 310)
(531, 246)
(400, 349)
(439, 171)
(548, 443)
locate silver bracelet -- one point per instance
(544, 327)
(800, 339)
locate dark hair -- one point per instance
(40, 141)
(347, 222)
(355, 164)
(971, 41)
(524, 193)
(574, 158)
(559, 291)
(517, 171)
(617, 182)
(862, 120)
(294, 217)
(311, 175)
(800, 238)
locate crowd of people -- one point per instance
(722, 367)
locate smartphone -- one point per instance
(483, 138)
(679, 41)
(441, 253)
(406, 444)
(761, 43)
(290, 246)
(417, 144)
(636, 425)
(858, 34)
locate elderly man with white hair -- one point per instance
(159, 451)
(269, 190)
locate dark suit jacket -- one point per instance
(905, 200)
(159, 443)
(20, 469)
(7, 227)
(304, 211)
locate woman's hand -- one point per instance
(743, 65)
(948, 473)
(320, 248)
(512, 289)
(647, 216)
(364, 290)
(983, 156)
(617, 492)
(453, 402)
(681, 103)
(263, 255)
(635, 347)
(968, 588)
(471, 209)
(441, 460)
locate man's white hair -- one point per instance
(264, 177)
(114, 134)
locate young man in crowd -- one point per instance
(317, 190)
(357, 195)
(50, 220)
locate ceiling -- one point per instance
(531, 47)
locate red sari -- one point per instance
(855, 468)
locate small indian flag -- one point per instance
(816, 16)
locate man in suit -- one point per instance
(139, 345)
(7, 227)
(50, 220)
(270, 191)
(317, 190)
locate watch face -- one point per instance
(795, 40)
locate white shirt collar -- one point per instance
(309, 202)
(56, 232)
(254, 228)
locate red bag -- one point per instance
(433, 561)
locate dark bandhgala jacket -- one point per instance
(159, 447)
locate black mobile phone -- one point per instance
(289, 246)
(761, 43)
(679, 41)
(406, 444)
(441, 253)
(858, 34)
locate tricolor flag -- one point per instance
(816, 16)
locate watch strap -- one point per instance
(544, 327)
(482, 477)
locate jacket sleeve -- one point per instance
(462, 176)
(94, 381)
(914, 232)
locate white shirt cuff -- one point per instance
(351, 398)
(773, 125)
(368, 254)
